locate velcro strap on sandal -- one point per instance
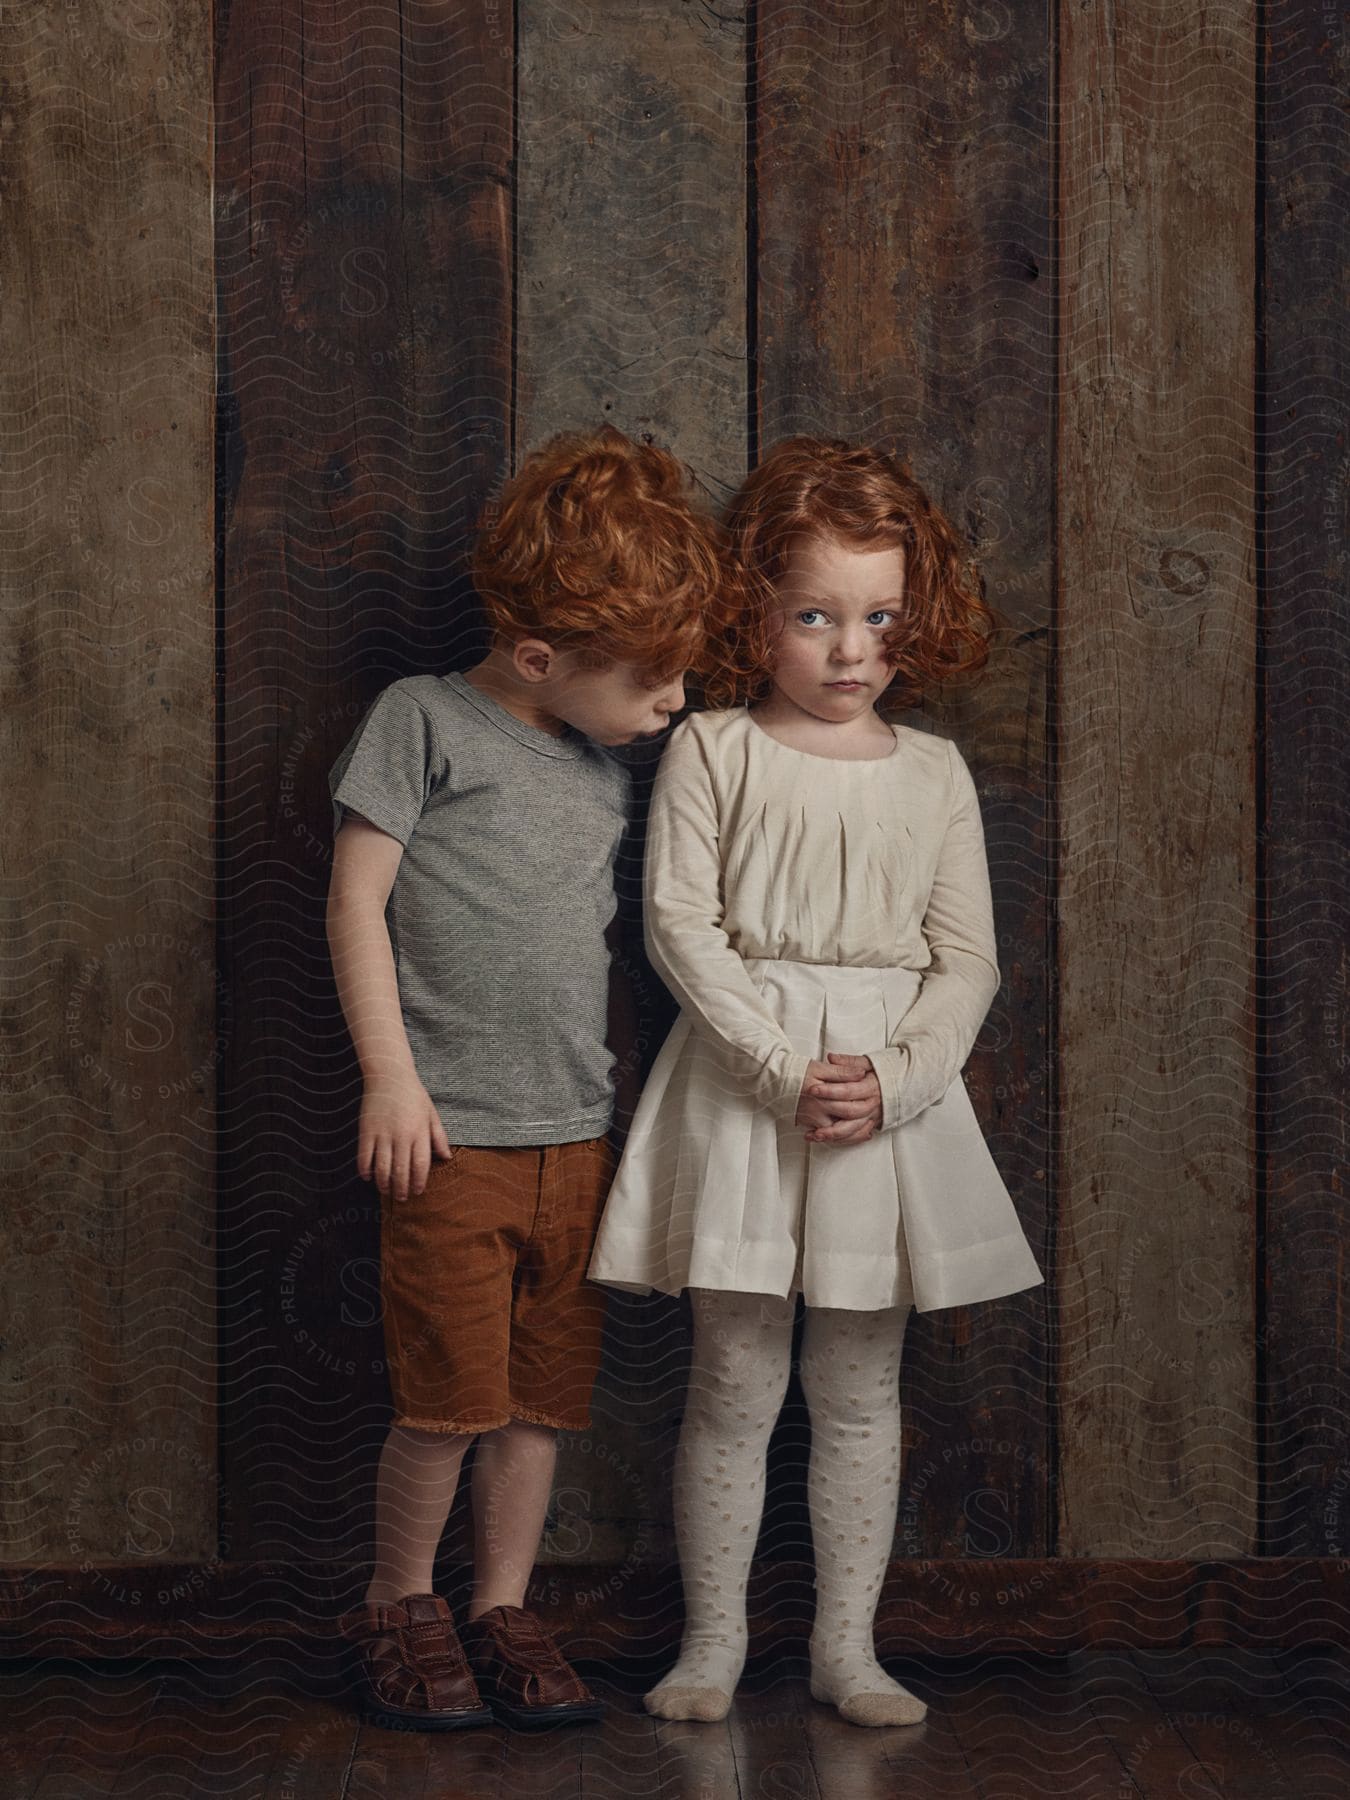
(532, 1647)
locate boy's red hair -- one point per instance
(830, 488)
(594, 546)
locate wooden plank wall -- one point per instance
(1023, 244)
(110, 998)
(1304, 825)
(903, 249)
(630, 309)
(1155, 667)
(364, 252)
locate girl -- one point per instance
(817, 899)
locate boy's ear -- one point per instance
(534, 659)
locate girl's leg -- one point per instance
(850, 1375)
(742, 1354)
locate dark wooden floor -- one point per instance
(1106, 1726)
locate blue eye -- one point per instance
(881, 613)
(810, 611)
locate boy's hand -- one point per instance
(400, 1131)
(841, 1101)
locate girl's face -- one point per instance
(836, 604)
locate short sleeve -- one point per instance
(391, 765)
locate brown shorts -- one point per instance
(488, 1315)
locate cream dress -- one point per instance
(796, 904)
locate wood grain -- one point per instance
(363, 259)
(630, 229)
(882, 264)
(967, 1606)
(110, 999)
(1304, 670)
(630, 248)
(1024, 1726)
(1155, 672)
(903, 296)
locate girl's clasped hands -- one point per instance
(841, 1101)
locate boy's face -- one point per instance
(614, 705)
(837, 602)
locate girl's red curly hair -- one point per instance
(594, 546)
(865, 497)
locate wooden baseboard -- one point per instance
(617, 1613)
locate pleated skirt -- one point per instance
(713, 1191)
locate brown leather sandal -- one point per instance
(522, 1673)
(420, 1680)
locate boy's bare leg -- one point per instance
(512, 1479)
(418, 1475)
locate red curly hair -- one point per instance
(594, 546)
(862, 497)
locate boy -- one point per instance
(469, 917)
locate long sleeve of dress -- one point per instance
(685, 940)
(931, 1044)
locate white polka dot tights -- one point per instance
(850, 1375)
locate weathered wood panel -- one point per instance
(904, 297)
(1305, 819)
(111, 1000)
(1155, 668)
(899, 287)
(630, 233)
(363, 255)
(1054, 1604)
(630, 229)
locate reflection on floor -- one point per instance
(1106, 1726)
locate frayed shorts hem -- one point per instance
(525, 1415)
